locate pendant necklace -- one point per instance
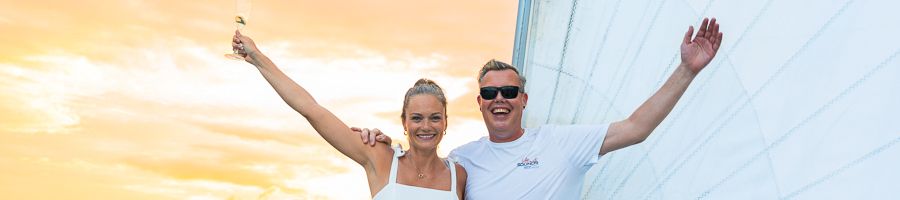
(420, 174)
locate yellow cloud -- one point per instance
(133, 100)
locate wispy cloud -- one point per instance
(136, 97)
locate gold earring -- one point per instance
(405, 132)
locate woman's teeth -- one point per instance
(425, 136)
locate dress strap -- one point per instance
(393, 177)
(452, 165)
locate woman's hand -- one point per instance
(245, 47)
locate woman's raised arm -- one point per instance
(332, 129)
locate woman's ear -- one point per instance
(403, 122)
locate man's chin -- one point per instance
(501, 126)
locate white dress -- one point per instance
(394, 190)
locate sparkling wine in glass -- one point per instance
(240, 20)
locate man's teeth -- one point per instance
(500, 111)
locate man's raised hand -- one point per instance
(696, 53)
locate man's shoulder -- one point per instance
(557, 128)
(469, 147)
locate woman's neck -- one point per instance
(424, 160)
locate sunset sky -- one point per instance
(133, 99)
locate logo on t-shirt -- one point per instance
(529, 163)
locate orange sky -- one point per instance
(133, 99)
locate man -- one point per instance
(549, 162)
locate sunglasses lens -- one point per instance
(489, 93)
(509, 92)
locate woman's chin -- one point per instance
(424, 145)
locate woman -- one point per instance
(392, 173)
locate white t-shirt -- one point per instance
(548, 162)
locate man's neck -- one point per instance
(507, 137)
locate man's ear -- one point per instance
(478, 100)
(524, 100)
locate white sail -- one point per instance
(802, 101)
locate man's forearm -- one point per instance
(696, 53)
(653, 111)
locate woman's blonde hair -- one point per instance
(424, 86)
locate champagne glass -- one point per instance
(242, 8)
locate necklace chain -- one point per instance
(419, 175)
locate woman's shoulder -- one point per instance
(384, 152)
(461, 177)
(460, 170)
(382, 156)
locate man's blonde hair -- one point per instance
(494, 65)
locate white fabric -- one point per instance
(801, 101)
(548, 162)
(397, 191)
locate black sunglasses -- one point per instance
(508, 92)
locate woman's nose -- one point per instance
(430, 126)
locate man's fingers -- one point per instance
(362, 137)
(375, 134)
(687, 36)
(710, 27)
(714, 40)
(715, 28)
(372, 134)
(703, 26)
(713, 33)
(380, 137)
(718, 42)
(365, 133)
(384, 139)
